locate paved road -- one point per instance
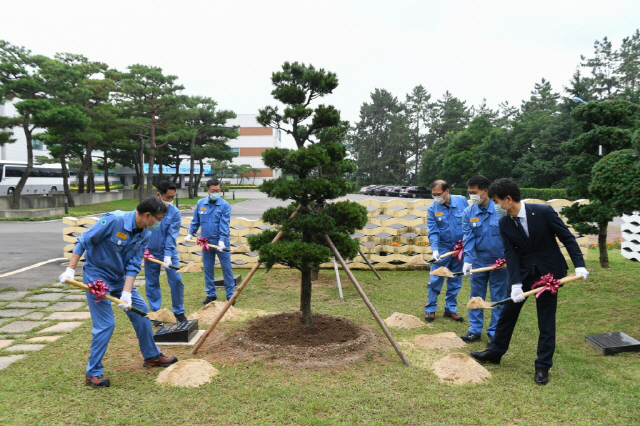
(26, 244)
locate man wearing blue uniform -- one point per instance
(113, 250)
(162, 245)
(482, 247)
(214, 214)
(444, 220)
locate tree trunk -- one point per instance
(85, 168)
(106, 172)
(65, 172)
(141, 171)
(602, 245)
(199, 176)
(15, 202)
(192, 160)
(305, 298)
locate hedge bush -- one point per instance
(544, 194)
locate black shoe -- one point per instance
(470, 337)
(209, 299)
(234, 302)
(156, 323)
(542, 376)
(160, 361)
(453, 316)
(430, 316)
(487, 356)
(98, 381)
(180, 317)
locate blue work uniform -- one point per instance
(161, 244)
(482, 247)
(445, 230)
(214, 218)
(113, 249)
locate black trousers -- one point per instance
(546, 306)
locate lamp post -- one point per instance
(577, 99)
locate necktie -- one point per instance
(520, 227)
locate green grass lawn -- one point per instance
(127, 205)
(585, 388)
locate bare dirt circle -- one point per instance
(282, 339)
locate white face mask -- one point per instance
(438, 199)
(167, 203)
(475, 198)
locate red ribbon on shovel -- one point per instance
(204, 243)
(549, 283)
(498, 264)
(460, 250)
(99, 289)
(147, 255)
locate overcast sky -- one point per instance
(227, 50)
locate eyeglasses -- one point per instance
(155, 217)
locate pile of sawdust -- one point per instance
(241, 249)
(191, 373)
(163, 315)
(417, 260)
(478, 303)
(210, 312)
(459, 368)
(447, 340)
(442, 272)
(403, 321)
(190, 267)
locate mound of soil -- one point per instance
(417, 260)
(189, 373)
(403, 321)
(478, 303)
(459, 368)
(448, 340)
(442, 272)
(210, 312)
(163, 315)
(281, 339)
(286, 329)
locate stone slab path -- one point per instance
(29, 320)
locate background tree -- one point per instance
(319, 135)
(609, 124)
(418, 112)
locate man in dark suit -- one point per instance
(529, 234)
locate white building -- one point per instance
(17, 151)
(254, 139)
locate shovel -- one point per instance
(448, 273)
(481, 304)
(160, 262)
(432, 261)
(111, 298)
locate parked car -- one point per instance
(367, 189)
(371, 189)
(416, 192)
(396, 190)
(383, 190)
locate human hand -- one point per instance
(126, 298)
(188, 238)
(466, 268)
(582, 271)
(221, 245)
(167, 262)
(67, 274)
(516, 291)
(435, 255)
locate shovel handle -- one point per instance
(160, 262)
(213, 246)
(475, 271)
(537, 290)
(107, 296)
(562, 281)
(432, 261)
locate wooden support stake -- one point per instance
(369, 263)
(366, 300)
(227, 305)
(335, 267)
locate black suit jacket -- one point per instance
(541, 248)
